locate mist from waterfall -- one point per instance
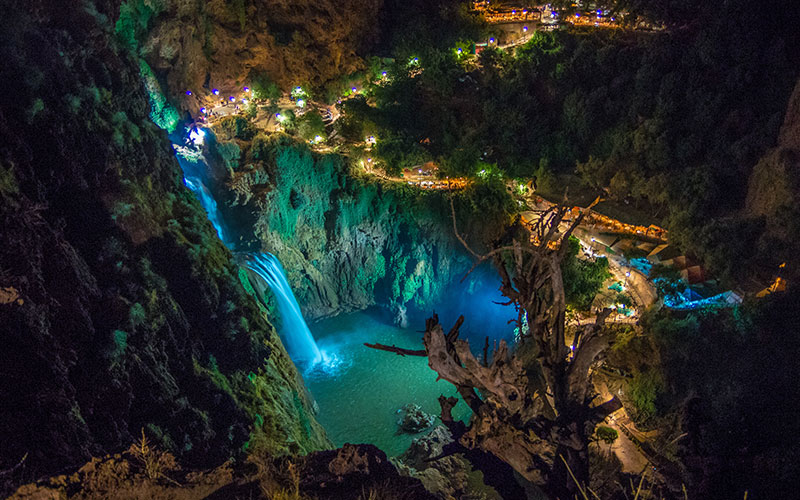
(297, 338)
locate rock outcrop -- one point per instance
(413, 419)
(447, 478)
(196, 44)
(350, 472)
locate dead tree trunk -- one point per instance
(528, 422)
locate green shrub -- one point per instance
(606, 434)
(238, 127)
(644, 390)
(263, 87)
(310, 125)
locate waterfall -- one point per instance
(297, 337)
(295, 333)
(195, 174)
(198, 187)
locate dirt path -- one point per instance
(632, 459)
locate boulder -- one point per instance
(414, 420)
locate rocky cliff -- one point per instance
(119, 307)
(349, 241)
(196, 44)
(774, 188)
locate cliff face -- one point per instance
(222, 43)
(774, 187)
(351, 244)
(119, 307)
(348, 242)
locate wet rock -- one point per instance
(426, 447)
(401, 316)
(414, 420)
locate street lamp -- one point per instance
(627, 275)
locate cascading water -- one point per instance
(200, 190)
(298, 339)
(195, 171)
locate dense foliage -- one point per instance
(672, 122)
(409, 25)
(582, 278)
(734, 368)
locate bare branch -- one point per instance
(452, 335)
(397, 350)
(447, 405)
(458, 235)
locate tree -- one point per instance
(399, 152)
(263, 87)
(310, 126)
(582, 279)
(667, 280)
(606, 434)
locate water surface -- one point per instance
(359, 390)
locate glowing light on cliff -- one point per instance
(215, 92)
